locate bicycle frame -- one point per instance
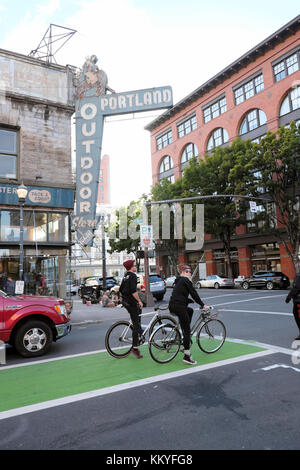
(203, 317)
(147, 327)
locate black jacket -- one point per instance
(128, 287)
(295, 290)
(181, 291)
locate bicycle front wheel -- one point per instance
(164, 343)
(211, 336)
(118, 339)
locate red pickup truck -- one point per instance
(30, 323)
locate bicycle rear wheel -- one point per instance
(118, 339)
(211, 336)
(161, 320)
(164, 343)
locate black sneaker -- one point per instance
(189, 360)
(136, 353)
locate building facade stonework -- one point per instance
(36, 106)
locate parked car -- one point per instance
(170, 281)
(157, 285)
(267, 279)
(31, 323)
(72, 287)
(214, 281)
(238, 281)
(97, 282)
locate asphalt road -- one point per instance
(252, 404)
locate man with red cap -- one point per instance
(178, 305)
(132, 303)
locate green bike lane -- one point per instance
(48, 383)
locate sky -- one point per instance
(144, 44)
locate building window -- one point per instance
(190, 151)
(38, 226)
(257, 140)
(166, 169)
(8, 153)
(58, 227)
(187, 126)
(286, 67)
(253, 119)
(291, 102)
(218, 137)
(164, 140)
(213, 111)
(249, 89)
(166, 164)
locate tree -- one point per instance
(124, 232)
(162, 191)
(211, 177)
(276, 162)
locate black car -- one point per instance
(97, 282)
(267, 279)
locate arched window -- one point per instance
(166, 164)
(218, 137)
(166, 169)
(252, 120)
(189, 151)
(291, 102)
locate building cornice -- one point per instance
(250, 56)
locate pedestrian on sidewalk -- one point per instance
(132, 303)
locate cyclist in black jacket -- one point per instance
(132, 303)
(295, 295)
(178, 305)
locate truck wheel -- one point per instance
(34, 338)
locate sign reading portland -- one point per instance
(93, 103)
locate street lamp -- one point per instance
(22, 192)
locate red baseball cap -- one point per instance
(128, 264)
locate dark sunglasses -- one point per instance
(188, 271)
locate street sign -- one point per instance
(146, 236)
(19, 287)
(253, 207)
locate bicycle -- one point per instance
(118, 339)
(164, 344)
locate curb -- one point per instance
(86, 322)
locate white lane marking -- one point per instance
(42, 361)
(129, 385)
(256, 311)
(276, 366)
(248, 300)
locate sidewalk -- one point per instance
(83, 314)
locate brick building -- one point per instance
(36, 106)
(260, 91)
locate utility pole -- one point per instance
(149, 296)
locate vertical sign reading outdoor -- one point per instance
(92, 105)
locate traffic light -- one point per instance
(269, 207)
(237, 205)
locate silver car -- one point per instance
(170, 281)
(215, 281)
